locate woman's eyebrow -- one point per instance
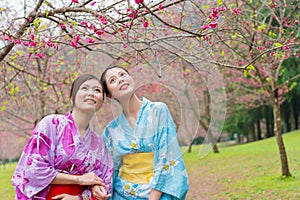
(111, 77)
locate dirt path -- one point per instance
(205, 187)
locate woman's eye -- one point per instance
(112, 80)
(98, 90)
(122, 74)
(84, 88)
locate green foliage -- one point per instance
(241, 121)
(290, 69)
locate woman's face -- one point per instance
(119, 83)
(89, 97)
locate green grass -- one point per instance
(247, 171)
(6, 190)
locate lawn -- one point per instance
(246, 172)
(6, 190)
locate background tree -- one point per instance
(265, 36)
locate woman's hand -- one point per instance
(99, 192)
(90, 179)
(155, 195)
(65, 197)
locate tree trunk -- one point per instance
(295, 108)
(258, 128)
(190, 147)
(213, 142)
(292, 116)
(284, 120)
(205, 124)
(277, 130)
(252, 132)
(210, 137)
(268, 126)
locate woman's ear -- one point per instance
(109, 95)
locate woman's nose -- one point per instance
(91, 93)
(121, 80)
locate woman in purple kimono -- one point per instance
(63, 158)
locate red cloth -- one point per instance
(65, 189)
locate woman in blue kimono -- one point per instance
(148, 163)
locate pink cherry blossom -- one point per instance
(128, 24)
(92, 26)
(99, 32)
(50, 44)
(25, 43)
(6, 37)
(90, 40)
(63, 26)
(204, 27)
(75, 1)
(213, 25)
(32, 44)
(160, 7)
(84, 23)
(103, 20)
(74, 44)
(40, 55)
(31, 36)
(146, 24)
(215, 13)
(273, 5)
(236, 11)
(138, 1)
(222, 8)
(77, 38)
(18, 41)
(132, 14)
(286, 47)
(93, 3)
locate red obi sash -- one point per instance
(65, 189)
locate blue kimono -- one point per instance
(147, 156)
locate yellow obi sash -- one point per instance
(137, 167)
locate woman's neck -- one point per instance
(81, 120)
(131, 107)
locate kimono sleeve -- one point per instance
(110, 143)
(170, 175)
(105, 169)
(35, 170)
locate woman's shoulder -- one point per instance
(157, 105)
(113, 123)
(54, 119)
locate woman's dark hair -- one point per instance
(103, 78)
(78, 82)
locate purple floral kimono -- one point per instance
(56, 146)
